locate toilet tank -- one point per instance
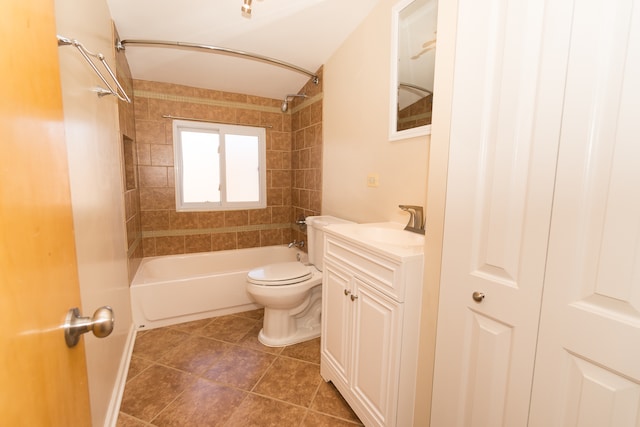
(315, 236)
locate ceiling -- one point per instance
(304, 33)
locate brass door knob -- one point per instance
(477, 296)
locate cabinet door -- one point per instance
(503, 150)
(376, 349)
(588, 361)
(336, 319)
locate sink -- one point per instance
(383, 233)
(389, 235)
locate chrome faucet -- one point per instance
(416, 220)
(297, 244)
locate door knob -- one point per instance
(354, 297)
(347, 292)
(477, 296)
(101, 324)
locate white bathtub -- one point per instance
(179, 288)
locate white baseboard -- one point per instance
(118, 390)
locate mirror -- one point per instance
(413, 52)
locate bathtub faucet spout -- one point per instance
(297, 244)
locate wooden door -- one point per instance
(42, 382)
(503, 149)
(588, 361)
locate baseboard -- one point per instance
(118, 390)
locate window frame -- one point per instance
(222, 129)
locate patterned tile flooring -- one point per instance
(214, 372)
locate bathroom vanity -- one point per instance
(372, 287)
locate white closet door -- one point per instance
(503, 151)
(588, 362)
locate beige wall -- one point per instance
(356, 124)
(356, 101)
(94, 152)
(294, 159)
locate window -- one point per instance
(219, 167)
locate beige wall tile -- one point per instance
(281, 214)
(157, 199)
(224, 241)
(150, 132)
(236, 218)
(271, 237)
(155, 220)
(183, 220)
(169, 245)
(197, 243)
(149, 246)
(260, 216)
(281, 178)
(211, 219)
(248, 239)
(161, 154)
(153, 176)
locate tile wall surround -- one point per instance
(131, 192)
(416, 114)
(294, 163)
(306, 153)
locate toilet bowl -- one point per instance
(291, 305)
(291, 292)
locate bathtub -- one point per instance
(180, 288)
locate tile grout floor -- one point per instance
(215, 372)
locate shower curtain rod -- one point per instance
(120, 45)
(86, 53)
(415, 87)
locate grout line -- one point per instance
(193, 381)
(195, 376)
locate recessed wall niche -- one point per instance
(129, 154)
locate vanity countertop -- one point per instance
(385, 238)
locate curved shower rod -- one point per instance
(414, 87)
(120, 45)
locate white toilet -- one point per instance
(291, 292)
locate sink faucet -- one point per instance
(416, 220)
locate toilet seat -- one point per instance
(278, 274)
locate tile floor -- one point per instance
(214, 372)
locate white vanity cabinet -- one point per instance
(370, 326)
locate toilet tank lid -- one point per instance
(324, 220)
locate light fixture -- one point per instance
(285, 103)
(246, 8)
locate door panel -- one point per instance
(599, 397)
(376, 339)
(498, 207)
(488, 348)
(42, 382)
(336, 314)
(587, 367)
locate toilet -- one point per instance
(291, 292)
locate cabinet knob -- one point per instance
(477, 296)
(347, 291)
(354, 297)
